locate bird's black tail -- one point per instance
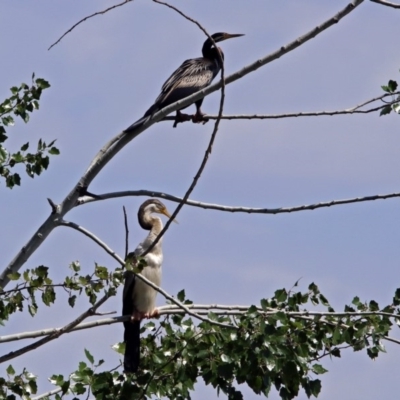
(147, 115)
(138, 123)
(132, 346)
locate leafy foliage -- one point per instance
(37, 280)
(394, 105)
(24, 100)
(22, 385)
(278, 345)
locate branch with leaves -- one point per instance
(23, 101)
(277, 345)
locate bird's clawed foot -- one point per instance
(154, 314)
(181, 118)
(138, 315)
(199, 117)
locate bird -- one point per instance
(193, 75)
(138, 297)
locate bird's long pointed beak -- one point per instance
(167, 214)
(233, 35)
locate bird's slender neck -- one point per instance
(155, 226)
(210, 52)
(150, 223)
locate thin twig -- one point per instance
(212, 139)
(296, 114)
(386, 3)
(90, 235)
(47, 394)
(113, 254)
(381, 97)
(237, 209)
(56, 334)
(86, 18)
(126, 233)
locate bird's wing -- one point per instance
(127, 303)
(132, 329)
(195, 73)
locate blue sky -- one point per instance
(105, 75)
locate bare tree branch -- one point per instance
(381, 97)
(386, 3)
(56, 334)
(126, 233)
(86, 18)
(113, 254)
(240, 209)
(212, 139)
(47, 394)
(122, 139)
(354, 110)
(90, 235)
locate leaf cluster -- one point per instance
(23, 101)
(22, 385)
(36, 281)
(277, 346)
(394, 105)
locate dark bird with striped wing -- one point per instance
(193, 75)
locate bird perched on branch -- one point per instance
(193, 75)
(138, 297)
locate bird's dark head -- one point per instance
(149, 207)
(220, 36)
(208, 46)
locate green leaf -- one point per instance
(386, 110)
(181, 295)
(264, 304)
(119, 347)
(281, 295)
(396, 298)
(392, 86)
(101, 272)
(10, 370)
(42, 83)
(25, 146)
(72, 300)
(335, 352)
(54, 151)
(75, 266)
(315, 387)
(396, 108)
(89, 356)
(319, 369)
(14, 276)
(323, 300)
(3, 154)
(32, 308)
(356, 301)
(48, 296)
(337, 337)
(373, 305)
